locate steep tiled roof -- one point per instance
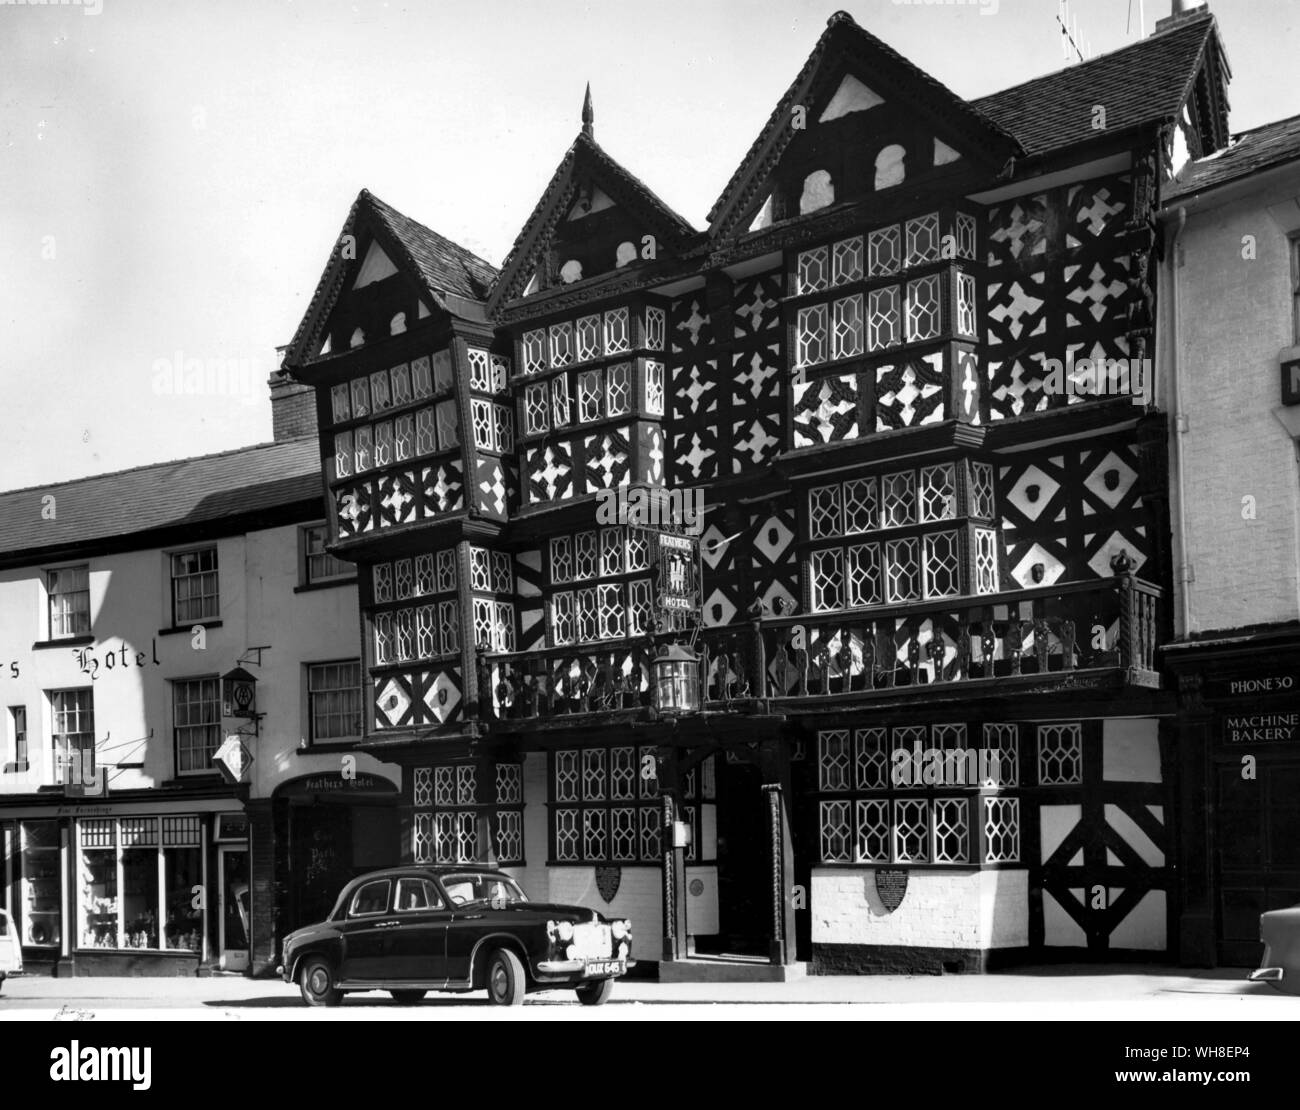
(584, 156)
(445, 266)
(450, 275)
(1146, 82)
(161, 495)
(842, 32)
(1274, 144)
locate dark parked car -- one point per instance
(1280, 967)
(410, 930)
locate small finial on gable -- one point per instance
(588, 116)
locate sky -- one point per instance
(174, 174)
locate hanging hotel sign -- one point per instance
(676, 560)
(233, 759)
(891, 886)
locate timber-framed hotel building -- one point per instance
(907, 539)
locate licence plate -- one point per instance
(604, 967)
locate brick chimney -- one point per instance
(293, 405)
(1183, 10)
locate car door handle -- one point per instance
(387, 924)
(471, 916)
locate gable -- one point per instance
(858, 119)
(594, 218)
(855, 143)
(385, 273)
(375, 299)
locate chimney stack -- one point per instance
(1182, 11)
(293, 405)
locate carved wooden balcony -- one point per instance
(1096, 633)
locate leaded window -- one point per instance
(618, 337)
(847, 330)
(847, 261)
(923, 240)
(986, 561)
(605, 806)
(814, 270)
(863, 819)
(537, 409)
(938, 493)
(884, 325)
(618, 389)
(654, 388)
(966, 306)
(534, 354)
(561, 409)
(589, 342)
(1060, 754)
(923, 308)
(884, 253)
(812, 339)
(655, 328)
(562, 348)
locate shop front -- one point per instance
(1239, 719)
(314, 834)
(122, 887)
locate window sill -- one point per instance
(181, 630)
(64, 642)
(194, 778)
(343, 744)
(333, 583)
(190, 952)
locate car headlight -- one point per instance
(618, 929)
(571, 953)
(565, 931)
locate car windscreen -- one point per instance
(468, 888)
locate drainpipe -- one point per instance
(1180, 429)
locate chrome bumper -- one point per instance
(560, 967)
(573, 967)
(1268, 975)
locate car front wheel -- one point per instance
(505, 979)
(597, 993)
(407, 998)
(316, 981)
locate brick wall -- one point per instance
(265, 896)
(293, 408)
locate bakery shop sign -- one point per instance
(1260, 728)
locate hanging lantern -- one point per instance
(238, 694)
(677, 680)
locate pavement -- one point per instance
(1082, 992)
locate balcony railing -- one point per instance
(1097, 625)
(1100, 625)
